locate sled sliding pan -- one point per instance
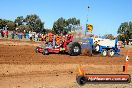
(104, 78)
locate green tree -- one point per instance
(121, 37)
(59, 25)
(72, 23)
(109, 36)
(65, 24)
(3, 23)
(21, 28)
(19, 20)
(34, 22)
(11, 25)
(125, 31)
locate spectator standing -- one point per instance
(2, 33)
(21, 35)
(30, 36)
(13, 34)
(18, 35)
(6, 32)
(27, 35)
(36, 37)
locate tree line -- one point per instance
(65, 25)
(125, 31)
(29, 23)
(34, 23)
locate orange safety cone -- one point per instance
(81, 72)
(126, 64)
(125, 67)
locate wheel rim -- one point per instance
(76, 49)
(46, 51)
(112, 53)
(82, 81)
(104, 53)
(36, 50)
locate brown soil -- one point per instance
(21, 67)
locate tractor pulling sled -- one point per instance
(105, 47)
(66, 46)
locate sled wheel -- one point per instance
(81, 80)
(111, 52)
(104, 52)
(74, 49)
(45, 52)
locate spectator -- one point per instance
(30, 36)
(2, 33)
(27, 35)
(54, 37)
(36, 37)
(19, 34)
(13, 34)
(6, 33)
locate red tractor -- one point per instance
(66, 45)
(48, 39)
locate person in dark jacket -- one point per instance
(13, 34)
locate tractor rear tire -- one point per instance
(81, 80)
(111, 52)
(45, 52)
(74, 49)
(104, 53)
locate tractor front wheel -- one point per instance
(36, 49)
(45, 52)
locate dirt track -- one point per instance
(21, 67)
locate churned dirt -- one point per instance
(21, 67)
